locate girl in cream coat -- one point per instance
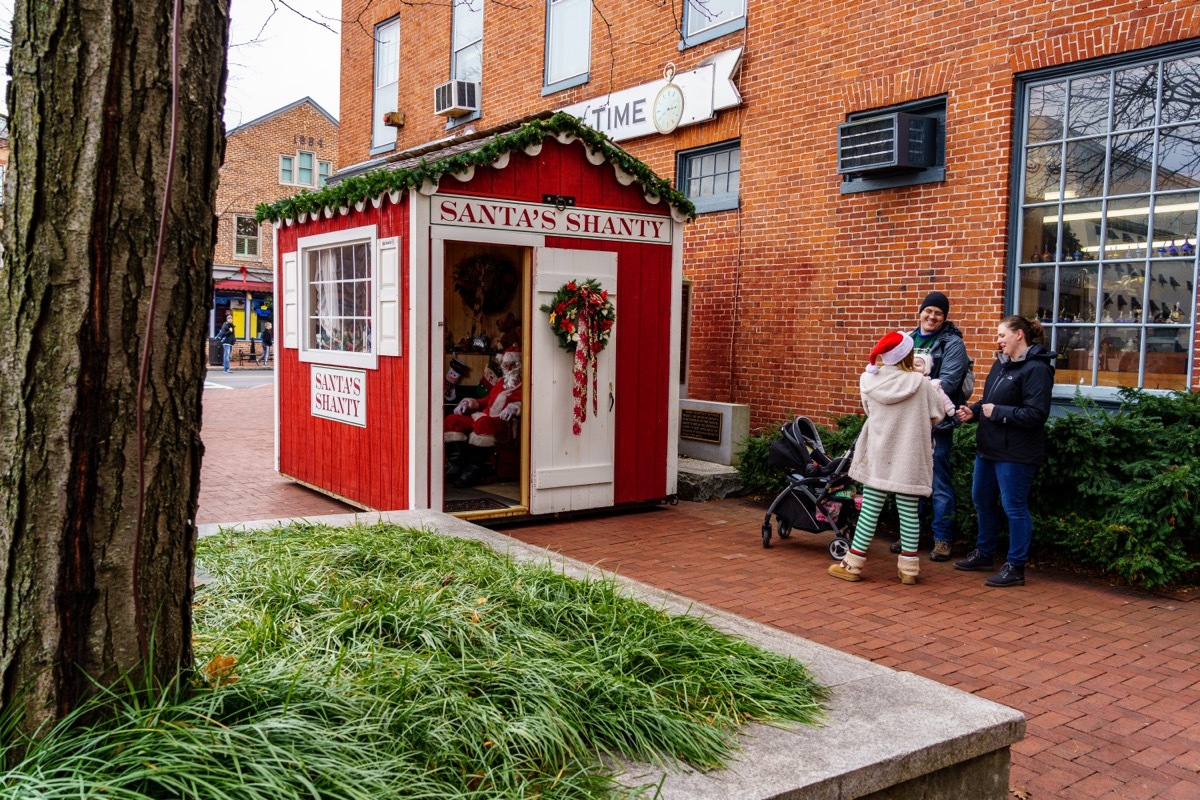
(894, 453)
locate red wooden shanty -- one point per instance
(404, 284)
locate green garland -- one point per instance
(573, 297)
(370, 185)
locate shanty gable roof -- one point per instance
(423, 167)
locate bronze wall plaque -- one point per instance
(700, 426)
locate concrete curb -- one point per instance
(888, 734)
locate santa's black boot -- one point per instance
(456, 459)
(480, 467)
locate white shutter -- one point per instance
(388, 323)
(291, 298)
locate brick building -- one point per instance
(290, 149)
(1053, 166)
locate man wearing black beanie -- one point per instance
(941, 343)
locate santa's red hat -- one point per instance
(891, 350)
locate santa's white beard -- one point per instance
(512, 377)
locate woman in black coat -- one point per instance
(1011, 445)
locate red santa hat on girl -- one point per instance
(891, 350)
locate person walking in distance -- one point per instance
(227, 336)
(892, 454)
(268, 338)
(940, 343)
(1011, 445)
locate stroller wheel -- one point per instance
(785, 530)
(766, 532)
(838, 549)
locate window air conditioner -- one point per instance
(887, 142)
(456, 98)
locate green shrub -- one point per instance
(1120, 490)
(756, 475)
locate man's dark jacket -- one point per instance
(950, 361)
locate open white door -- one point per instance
(569, 473)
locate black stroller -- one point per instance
(820, 495)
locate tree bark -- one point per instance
(88, 596)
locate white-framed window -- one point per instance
(287, 169)
(568, 43)
(710, 176)
(1105, 218)
(337, 297)
(245, 236)
(324, 170)
(466, 60)
(705, 20)
(387, 84)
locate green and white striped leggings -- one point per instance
(868, 519)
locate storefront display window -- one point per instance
(1105, 233)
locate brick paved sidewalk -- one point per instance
(238, 481)
(1109, 678)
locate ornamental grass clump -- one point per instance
(381, 662)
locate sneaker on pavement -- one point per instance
(941, 551)
(1009, 575)
(976, 560)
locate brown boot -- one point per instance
(941, 551)
(849, 568)
(909, 568)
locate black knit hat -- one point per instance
(937, 300)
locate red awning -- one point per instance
(239, 285)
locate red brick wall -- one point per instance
(791, 291)
(250, 174)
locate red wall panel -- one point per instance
(368, 466)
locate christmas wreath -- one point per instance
(485, 283)
(582, 317)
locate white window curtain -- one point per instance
(387, 81)
(568, 40)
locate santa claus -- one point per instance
(470, 432)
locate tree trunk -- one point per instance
(88, 594)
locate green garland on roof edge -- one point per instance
(372, 184)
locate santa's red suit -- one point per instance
(487, 417)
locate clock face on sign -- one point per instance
(668, 108)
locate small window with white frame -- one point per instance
(245, 236)
(387, 83)
(568, 44)
(705, 20)
(287, 169)
(710, 176)
(337, 299)
(324, 170)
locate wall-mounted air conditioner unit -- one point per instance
(887, 142)
(456, 98)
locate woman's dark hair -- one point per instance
(1034, 333)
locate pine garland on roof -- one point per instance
(377, 182)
